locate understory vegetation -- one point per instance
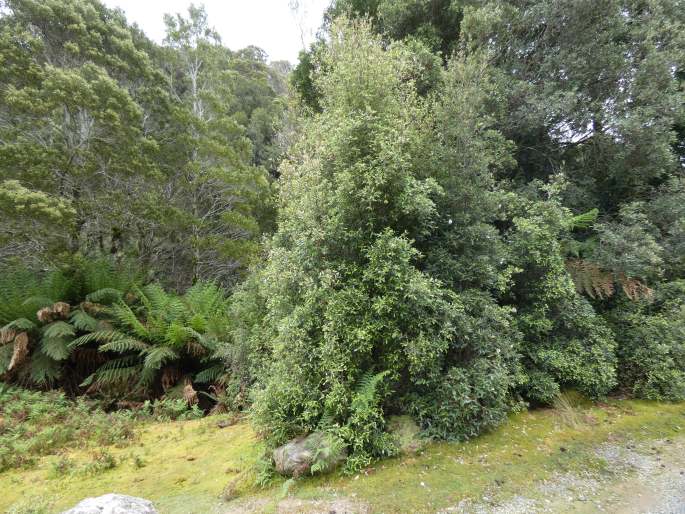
(447, 211)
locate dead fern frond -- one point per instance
(61, 309)
(20, 352)
(190, 394)
(7, 336)
(634, 288)
(195, 349)
(590, 279)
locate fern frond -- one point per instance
(154, 298)
(365, 393)
(210, 374)
(38, 302)
(123, 345)
(20, 324)
(157, 356)
(83, 321)
(177, 334)
(56, 348)
(58, 329)
(101, 336)
(116, 371)
(43, 369)
(584, 221)
(124, 316)
(590, 279)
(154, 360)
(105, 296)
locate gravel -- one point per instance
(644, 478)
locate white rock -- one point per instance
(113, 504)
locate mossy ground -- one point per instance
(187, 465)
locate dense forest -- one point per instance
(449, 210)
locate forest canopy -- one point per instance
(447, 210)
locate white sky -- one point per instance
(268, 24)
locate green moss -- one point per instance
(185, 466)
(185, 463)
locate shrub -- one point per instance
(565, 343)
(651, 344)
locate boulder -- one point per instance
(113, 504)
(297, 457)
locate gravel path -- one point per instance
(643, 479)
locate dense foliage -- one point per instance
(453, 210)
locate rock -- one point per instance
(113, 504)
(297, 457)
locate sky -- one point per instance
(269, 24)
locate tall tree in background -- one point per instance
(76, 93)
(216, 188)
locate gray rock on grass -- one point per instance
(113, 504)
(296, 457)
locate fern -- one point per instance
(590, 279)
(365, 393)
(123, 315)
(83, 321)
(114, 371)
(105, 296)
(43, 369)
(100, 337)
(58, 329)
(38, 302)
(56, 348)
(156, 357)
(210, 374)
(584, 221)
(20, 324)
(125, 344)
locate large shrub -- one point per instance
(352, 326)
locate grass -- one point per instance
(185, 466)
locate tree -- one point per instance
(75, 95)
